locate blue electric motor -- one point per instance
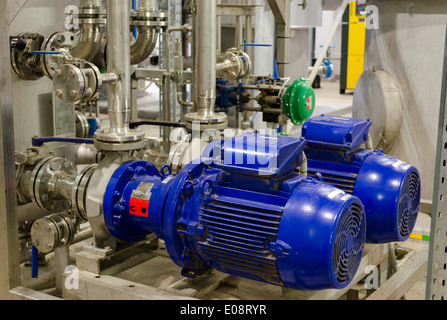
(389, 189)
(243, 210)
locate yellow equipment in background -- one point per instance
(353, 45)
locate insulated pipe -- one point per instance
(90, 35)
(206, 52)
(147, 36)
(195, 56)
(119, 92)
(118, 62)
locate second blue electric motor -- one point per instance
(389, 188)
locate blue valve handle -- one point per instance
(38, 142)
(135, 30)
(45, 52)
(34, 262)
(254, 45)
(19, 44)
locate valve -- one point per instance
(299, 101)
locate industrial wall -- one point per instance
(409, 46)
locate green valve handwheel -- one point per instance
(299, 101)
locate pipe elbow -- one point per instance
(89, 43)
(144, 46)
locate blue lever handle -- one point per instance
(34, 262)
(38, 142)
(254, 45)
(45, 52)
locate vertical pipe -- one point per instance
(195, 55)
(239, 38)
(249, 32)
(134, 98)
(219, 31)
(206, 43)
(62, 260)
(249, 39)
(118, 62)
(166, 93)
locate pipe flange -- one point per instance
(149, 14)
(123, 137)
(93, 11)
(52, 232)
(79, 191)
(21, 195)
(72, 84)
(100, 22)
(96, 16)
(149, 18)
(233, 66)
(44, 180)
(82, 125)
(124, 147)
(69, 83)
(196, 122)
(246, 63)
(60, 43)
(214, 118)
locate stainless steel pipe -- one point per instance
(205, 60)
(206, 49)
(145, 44)
(118, 63)
(147, 36)
(89, 42)
(90, 36)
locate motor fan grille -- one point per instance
(349, 243)
(409, 202)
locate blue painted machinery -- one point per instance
(389, 189)
(228, 96)
(244, 211)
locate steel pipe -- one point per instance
(90, 35)
(205, 60)
(206, 50)
(147, 36)
(145, 44)
(89, 42)
(118, 63)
